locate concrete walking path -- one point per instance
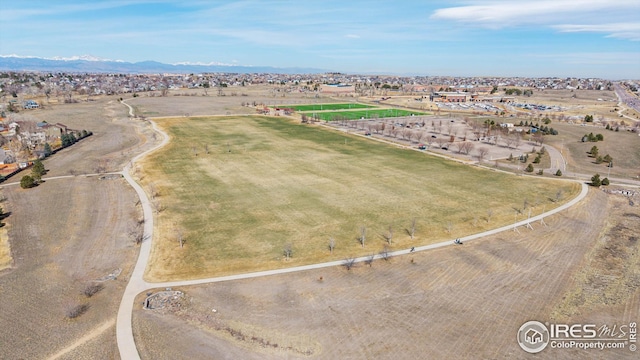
(137, 284)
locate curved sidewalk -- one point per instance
(136, 285)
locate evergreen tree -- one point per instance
(37, 170)
(27, 182)
(47, 150)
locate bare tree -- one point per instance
(157, 206)
(417, 136)
(482, 153)
(508, 141)
(75, 310)
(288, 250)
(538, 137)
(92, 289)
(441, 142)
(459, 146)
(136, 233)
(389, 235)
(384, 254)
(180, 237)
(153, 190)
(517, 139)
(489, 214)
(406, 133)
(369, 260)
(349, 262)
(363, 235)
(332, 244)
(467, 147)
(430, 140)
(412, 228)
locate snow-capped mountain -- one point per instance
(92, 64)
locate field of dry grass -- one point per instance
(460, 302)
(194, 102)
(269, 182)
(464, 302)
(68, 233)
(623, 146)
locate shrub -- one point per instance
(74, 311)
(27, 182)
(540, 172)
(558, 173)
(605, 181)
(595, 180)
(529, 168)
(92, 289)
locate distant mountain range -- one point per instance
(93, 65)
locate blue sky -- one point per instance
(565, 38)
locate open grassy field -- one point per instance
(623, 146)
(362, 114)
(67, 233)
(269, 182)
(321, 107)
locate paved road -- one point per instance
(625, 98)
(137, 285)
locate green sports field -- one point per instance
(323, 107)
(362, 114)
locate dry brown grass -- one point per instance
(464, 302)
(623, 146)
(5, 249)
(284, 182)
(66, 233)
(610, 276)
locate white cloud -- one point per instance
(498, 14)
(630, 31)
(352, 36)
